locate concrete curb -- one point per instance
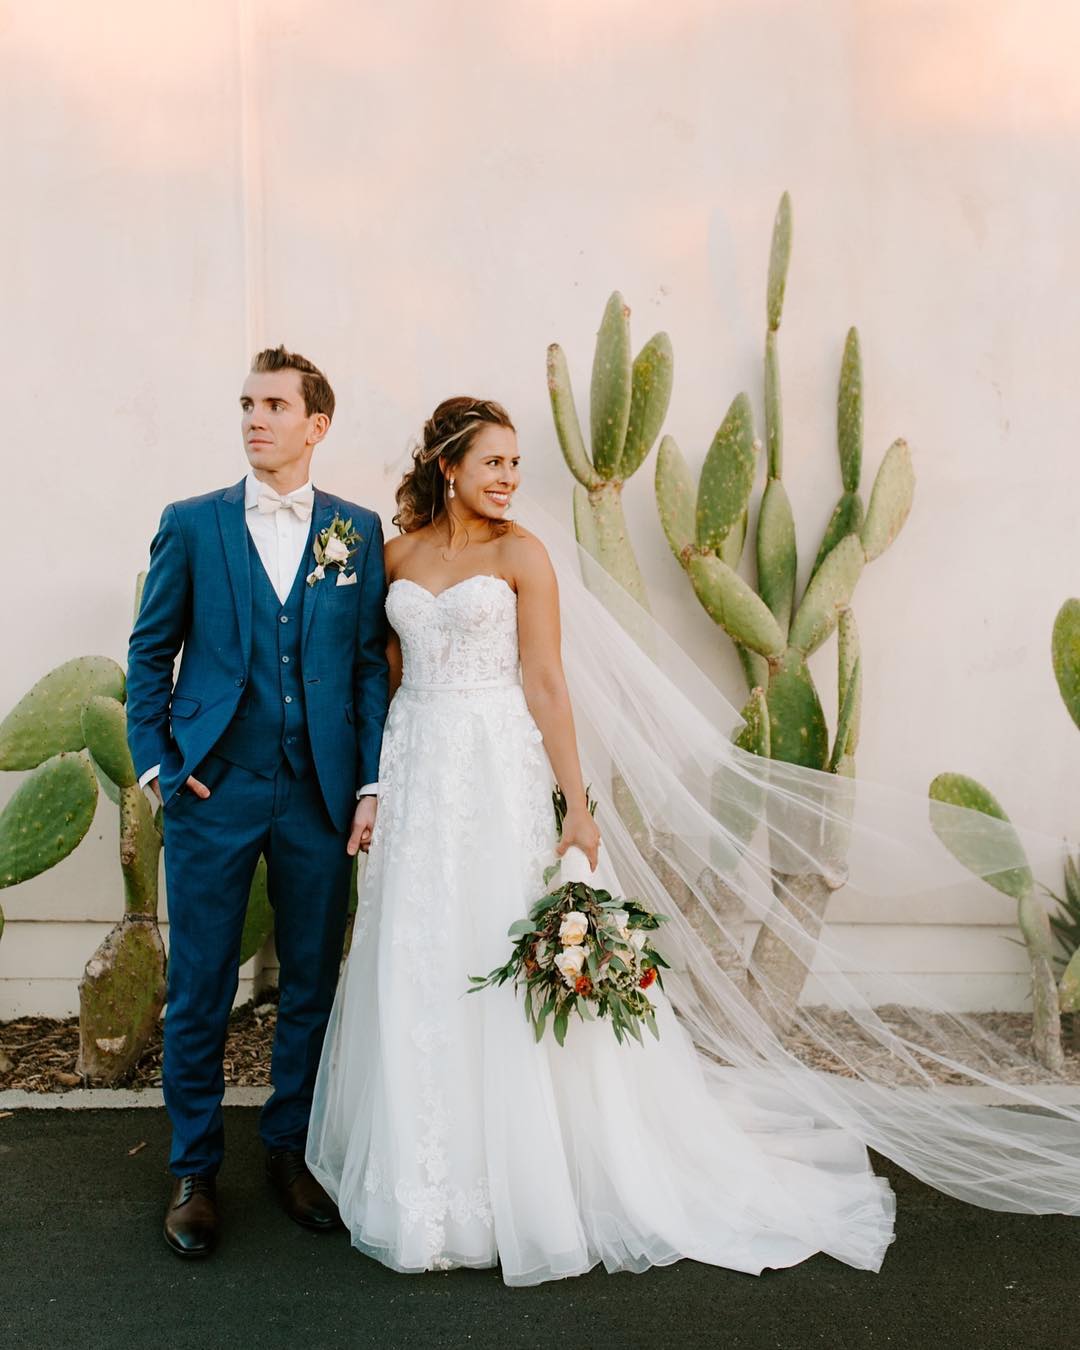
(98, 1099)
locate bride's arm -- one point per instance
(539, 641)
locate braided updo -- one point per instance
(448, 434)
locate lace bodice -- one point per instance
(463, 638)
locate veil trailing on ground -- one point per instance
(752, 859)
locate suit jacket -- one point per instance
(197, 598)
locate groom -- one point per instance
(267, 743)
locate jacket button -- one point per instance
(284, 618)
(240, 682)
(288, 698)
(285, 660)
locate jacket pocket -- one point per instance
(182, 706)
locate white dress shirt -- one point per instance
(280, 539)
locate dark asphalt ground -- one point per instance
(83, 1264)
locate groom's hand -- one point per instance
(363, 824)
(193, 785)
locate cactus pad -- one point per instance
(827, 595)
(849, 414)
(140, 849)
(47, 817)
(890, 500)
(730, 602)
(121, 995)
(676, 497)
(609, 396)
(104, 724)
(776, 556)
(754, 736)
(564, 412)
(650, 394)
(1065, 647)
(779, 258)
(259, 918)
(727, 476)
(965, 842)
(774, 410)
(798, 730)
(48, 719)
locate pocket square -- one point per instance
(346, 580)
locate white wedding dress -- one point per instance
(445, 1133)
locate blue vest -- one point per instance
(270, 724)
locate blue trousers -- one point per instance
(212, 847)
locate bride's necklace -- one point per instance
(448, 554)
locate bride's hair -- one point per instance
(448, 434)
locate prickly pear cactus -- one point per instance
(1036, 926)
(775, 629)
(122, 990)
(627, 406)
(953, 827)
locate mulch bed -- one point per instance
(43, 1051)
(998, 1044)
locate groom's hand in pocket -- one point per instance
(362, 826)
(192, 785)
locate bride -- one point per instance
(445, 1133)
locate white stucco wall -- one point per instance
(422, 196)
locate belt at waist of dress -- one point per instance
(505, 682)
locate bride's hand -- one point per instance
(580, 830)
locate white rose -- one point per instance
(571, 963)
(317, 575)
(573, 928)
(335, 551)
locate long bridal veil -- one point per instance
(751, 858)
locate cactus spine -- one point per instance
(773, 628)
(628, 402)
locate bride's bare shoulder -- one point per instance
(395, 551)
(524, 556)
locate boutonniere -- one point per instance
(333, 547)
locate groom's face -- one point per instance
(278, 432)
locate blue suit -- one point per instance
(278, 707)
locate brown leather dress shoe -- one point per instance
(191, 1221)
(301, 1196)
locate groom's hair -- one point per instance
(318, 396)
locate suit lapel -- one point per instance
(322, 515)
(234, 540)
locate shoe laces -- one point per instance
(198, 1183)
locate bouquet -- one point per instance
(583, 951)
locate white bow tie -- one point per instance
(300, 503)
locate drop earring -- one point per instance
(450, 489)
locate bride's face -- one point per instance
(487, 475)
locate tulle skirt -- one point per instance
(449, 1137)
